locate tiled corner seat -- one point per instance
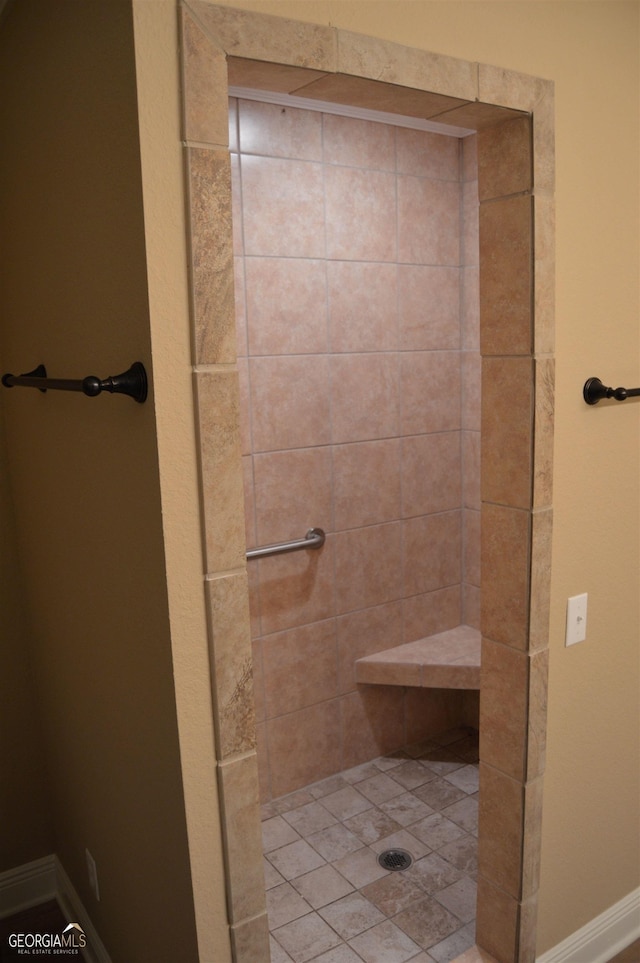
(449, 660)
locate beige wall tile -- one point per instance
(258, 680)
(352, 284)
(390, 673)
(544, 273)
(506, 276)
(232, 664)
(269, 130)
(536, 725)
(260, 75)
(263, 761)
(532, 832)
(544, 140)
(286, 303)
(429, 711)
(431, 473)
(469, 158)
(428, 221)
(505, 549)
(242, 837)
(542, 524)
(363, 633)
(509, 88)
(249, 500)
(212, 269)
(505, 159)
(507, 442)
(470, 214)
(219, 417)
(372, 723)
(373, 95)
(432, 552)
(470, 305)
(365, 396)
(430, 385)
(245, 413)
(292, 493)
(296, 588)
(527, 932)
(396, 64)
(250, 940)
(431, 612)
(471, 605)
(477, 116)
(283, 207)
(242, 345)
(289, 402)
(471, 390)
(497, 921)
(471, 469)
(471, 708)
(425, 154)
(358, 143)
(500, 829)
(259, 36)
(300, 667)
(204, 79)
(471, 547)
(544, 373)
(504, 683)
(360, 214)
(304, 746)
(368, 566)
(236, 207)
(429, 307)
(367, 481)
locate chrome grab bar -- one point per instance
(313, 539)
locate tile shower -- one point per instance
(356, 261)
(514, 116)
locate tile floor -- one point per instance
(328, 898)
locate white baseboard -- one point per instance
(27, 885)
(44, 879)
(71, 906)
(600, 939)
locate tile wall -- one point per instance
(356, 270)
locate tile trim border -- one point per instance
(299, 51)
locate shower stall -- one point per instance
(356, 279)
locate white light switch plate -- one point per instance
(576, 619)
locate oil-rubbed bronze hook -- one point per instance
(132, 382)
(594, 391)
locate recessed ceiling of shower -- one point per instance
(346, 110)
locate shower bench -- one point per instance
(448, 660)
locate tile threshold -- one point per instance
(475, 954)
(448, 660)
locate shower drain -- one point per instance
(395, 859)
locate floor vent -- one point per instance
(395, 859)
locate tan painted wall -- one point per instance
(23, 787)
(590, 50)
(85, 476)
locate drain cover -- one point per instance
(395, 859)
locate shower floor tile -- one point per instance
(328, 898)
